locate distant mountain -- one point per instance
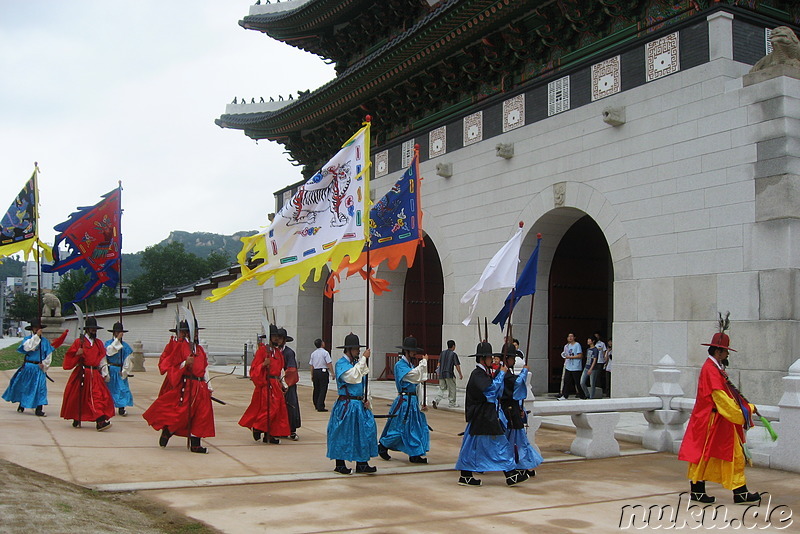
(200, 244)
(11, 266)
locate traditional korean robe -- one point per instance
(484, 446)
(267, 410)
(185, 407)
(714, 438)
(512, 416)
(407, 431)
(119, 367)
(28, 386)
(352, 433)
(291, 379)
(86, 396)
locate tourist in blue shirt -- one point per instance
(573, 368)
(352, 433)
(407, 428)
(118, 355)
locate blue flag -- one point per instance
(526, 285)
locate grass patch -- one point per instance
(11, 359)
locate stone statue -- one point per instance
(785, 50)
(51, 306)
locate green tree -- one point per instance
(168, 267)
(73, 282)
(217, 261)
(24, 307)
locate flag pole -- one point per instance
(368, 237)
(119, 283)
(38, 246)
(530, 317)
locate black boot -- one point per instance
(122, 412)
(742, 496)
(102, 424)
(417, 459)
(257, 434)
(364, 467)
(271, 439)
(164, 439)
(515, 477)
(76, 424)
(466, 479)
(383, 452)
(698, 493)
(195, 445)
(341, 468)
(20, 409)
(40, 412)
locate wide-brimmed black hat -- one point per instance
(510, 351)
(351, 341)
(117, 328)
(410, 343)
(91, 322)
(282, 332)
(183, 326)
(483, 350)
(35, 325)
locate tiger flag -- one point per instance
(19, 227)
(324, 221)
(92, 235)
(395, 223)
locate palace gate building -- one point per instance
(662, 177)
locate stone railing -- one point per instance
(666, 411)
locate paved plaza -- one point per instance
(242, 486)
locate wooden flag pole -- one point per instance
(119, 282)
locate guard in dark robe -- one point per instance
(485, 446)
(290, 378)
(513, 416)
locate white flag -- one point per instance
(501, 273)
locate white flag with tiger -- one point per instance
(325, 220)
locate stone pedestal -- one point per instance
(784, 456)
(54, 327)
(595, 435)
(137, 357)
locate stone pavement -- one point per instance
(242, 486)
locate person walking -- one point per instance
(120, 364)
(406, 428)
(514, 417)
(290, 378)
(448, 362)
(86, 396)
(267, 415)
(321, 373)
(592, 370)
(28, 386)
(484, 446)
(714, 442)
(352, 433)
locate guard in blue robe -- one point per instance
(406, 428)
(118, 354)
(352, 433)
(28, 386)
(485, 446)
(513, 417)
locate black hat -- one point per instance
(282, 332)
(351, 341)
(183, 326)
(35, 325)
(91, 322)
(410, 343)
(510, 351)
(483, 350)
(117, 328)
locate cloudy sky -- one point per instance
(98, 91)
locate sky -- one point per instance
(98, 91)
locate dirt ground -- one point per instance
(34, 502)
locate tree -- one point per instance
(168, 267)
(24, 307)
(73, 282)
(217, 261)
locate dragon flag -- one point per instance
(526, 285)
(501, 273)
(325, 220)
(19, 228)
(395, 224)
(92, 235)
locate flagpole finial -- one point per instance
(521, 224)
(538, 236)
(368, 118)
(416, 146)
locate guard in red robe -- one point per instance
(267, 414)
(714, 442)
(165, 361)
(86, 396)
(184, 409)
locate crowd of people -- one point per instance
(494, 439)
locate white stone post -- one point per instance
(665, 426)
(785, 456)
(594, 436)
(137, 357)
(534, 422)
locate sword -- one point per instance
(217, 400)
